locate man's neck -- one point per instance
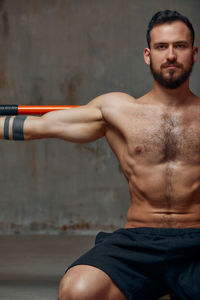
(172, 97)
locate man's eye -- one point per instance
(161, 47)
(181, 46)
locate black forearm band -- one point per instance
(18, 128)
(6, 127)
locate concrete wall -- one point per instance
(68, 52)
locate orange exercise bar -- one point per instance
(6, 110)
(41, 109)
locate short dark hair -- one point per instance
(168, 16)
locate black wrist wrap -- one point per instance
(18, 128)
(6, 127)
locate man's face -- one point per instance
(171, 56)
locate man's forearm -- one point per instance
(12, 128)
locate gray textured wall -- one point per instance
(68, 52)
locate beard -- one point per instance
(172, 81)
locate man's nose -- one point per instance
(171, 54)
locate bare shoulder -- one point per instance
(114, 100)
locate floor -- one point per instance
(32, 266)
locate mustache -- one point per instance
(168, 64)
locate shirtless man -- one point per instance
(156, 139)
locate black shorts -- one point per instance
(146, 263)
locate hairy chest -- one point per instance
(162, 137)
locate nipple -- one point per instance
(138, 149)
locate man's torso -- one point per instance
(158, 149)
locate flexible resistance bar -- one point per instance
(7, 110)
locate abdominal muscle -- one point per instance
(157, 201)
(149, 217)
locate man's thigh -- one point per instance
(87, 282)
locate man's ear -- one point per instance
(147, 59)
(195, 53)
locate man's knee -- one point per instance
(63, 289)
(69, 289)
(75, 286)
(88, 283)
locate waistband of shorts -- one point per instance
(164, 231)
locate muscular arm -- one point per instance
(83, 124)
